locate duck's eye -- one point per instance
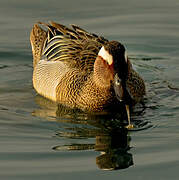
(118, 88)
(117, 81)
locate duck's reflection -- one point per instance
(114, 150)
(112, 139)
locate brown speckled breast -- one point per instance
(77, 90)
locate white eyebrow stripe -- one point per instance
(126, 56)
(105, 55)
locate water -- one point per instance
(40, 140)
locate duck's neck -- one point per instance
(103, 74)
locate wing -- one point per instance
(75, 46)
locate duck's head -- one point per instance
(111, 68)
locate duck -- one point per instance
(83, 70)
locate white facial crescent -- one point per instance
(105, 55)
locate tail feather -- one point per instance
(37, 38)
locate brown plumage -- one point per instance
(82, 70)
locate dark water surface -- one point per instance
(40, 140)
